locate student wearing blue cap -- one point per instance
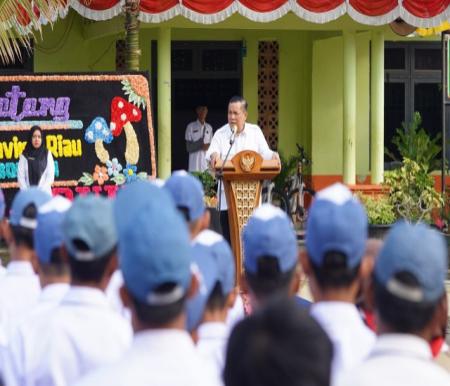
(187, 193)
(155, 259)
(271, 257)
(336, 236)
(207, 312)
(19, 288)
(25, 348)
(278, 345)
(410, 302)
(84, 332)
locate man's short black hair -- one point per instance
(269, 280)
(280, 345)
(57, 266)
(158, 316)
(241, 100)
(334, 272)
(401, 315)
(88, 271)
(217, 300)
(23, 236)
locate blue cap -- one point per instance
(154, 245)
(21, 201)
(90, 219)
(269, 232)
(215, 263)
(187, 192)
(336, 222)
(418, 250)
(2, 205)
(48, 235)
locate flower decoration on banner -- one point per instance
(100, 174)
(122, 114)
(136, 89)
(130, 173)
(98, 132)
(114, 167)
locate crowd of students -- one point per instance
(137, 290)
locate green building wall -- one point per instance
(310, 73)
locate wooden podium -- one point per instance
(242, 180)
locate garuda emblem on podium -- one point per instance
(247, 162)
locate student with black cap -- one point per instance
(409, 296)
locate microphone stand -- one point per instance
(219, 174)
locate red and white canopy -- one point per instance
(420, 13)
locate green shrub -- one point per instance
(379, 209)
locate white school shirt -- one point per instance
(396, 360)
(352, 339)
(251, 138)
(160, 357)
(194, 132)
(212, 344)
(46, 180)
(113, 294)
(83, 334)
(25, 345)
(19, 292)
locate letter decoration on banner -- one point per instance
(97, 127)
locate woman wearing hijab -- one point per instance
(36, 165)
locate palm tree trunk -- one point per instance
(133, 51)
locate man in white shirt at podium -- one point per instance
(237, 135)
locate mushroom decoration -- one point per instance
(122, 114)
(98, 132)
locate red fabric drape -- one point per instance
(374, 7)
(425, 8)
(207, 6)
(263, 5)
(157, 6)
(98, 5)
(320, 6)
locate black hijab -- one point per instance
(37, 158)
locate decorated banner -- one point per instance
(97, 127)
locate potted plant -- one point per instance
(210, 198)
(410, 192)
(380, 214)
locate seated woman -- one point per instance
(36, 165)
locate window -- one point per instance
(412, 83)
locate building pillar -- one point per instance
(377, 108)
(164, 103)
(349, 132)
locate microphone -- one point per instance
(233, 127)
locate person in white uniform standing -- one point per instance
(20, 288)
(235, 136)
(155, 259)
(84, 332)
(408, 290)
(336, 236)
(207, 312)
(198, 137)
(25, 348)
